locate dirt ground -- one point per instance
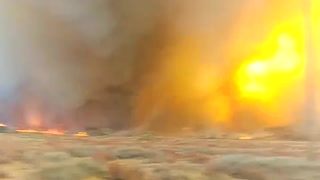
(151, 157)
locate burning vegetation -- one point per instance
(254, 80)
(162, 66)
(90, 88)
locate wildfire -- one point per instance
(50, 131)
(81, 134)
(245, 138)
(53, 132)
(27, 131)
(263, 79)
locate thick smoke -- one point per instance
(73, 54)
(119, 63)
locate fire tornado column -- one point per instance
(310, 86)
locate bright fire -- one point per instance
(245, 138)
(3, 125)
(194, 90)
(50, 131)
(267, 75)
(81, 134)
(264, 78)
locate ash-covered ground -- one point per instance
(123, 156)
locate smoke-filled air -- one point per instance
(152, 64)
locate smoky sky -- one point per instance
(69, 53)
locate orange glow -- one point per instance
(27, 131)
(265, 78)
(245, 138)
(3, 125)
(50, 131)
(217, 109)
(81, 134)
(33, 117)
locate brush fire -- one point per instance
(154, 90)
(260, 79)
(252, 85)
(262, 86)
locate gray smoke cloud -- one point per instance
(69, 52)
(92, 57)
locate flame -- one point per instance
(263, 79)
(274, 75)
(27, 131)
(81, 134)
(245, 138)
(263, 76)
(53, 132)
(270, 74)
(50, 131)
(3, 125)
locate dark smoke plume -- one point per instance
(74, 54)
(117, 63)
